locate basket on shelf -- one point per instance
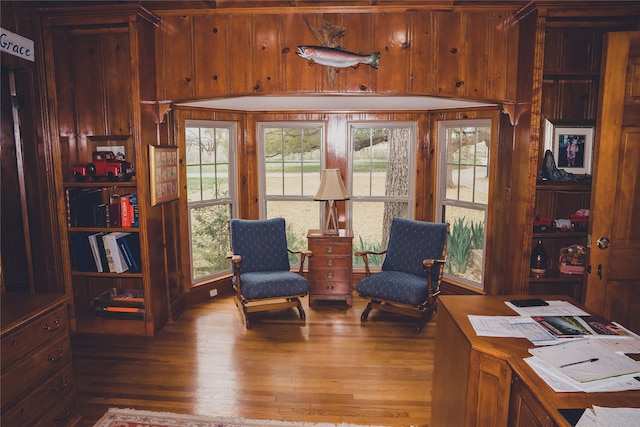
(572, 259)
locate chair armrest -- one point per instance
(304, 254)
(365, 258)
(428, 263)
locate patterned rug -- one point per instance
(116, 417)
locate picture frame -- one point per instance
(163, 173)
(571, 145)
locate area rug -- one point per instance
(116, 417)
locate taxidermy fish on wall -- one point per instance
(330, 54)
(337, 57)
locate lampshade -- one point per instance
(331, 186)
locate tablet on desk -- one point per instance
(529, 302)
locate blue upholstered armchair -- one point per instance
(261, 271)
(409, 282)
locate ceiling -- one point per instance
(334, 103)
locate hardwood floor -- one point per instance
(330, 369)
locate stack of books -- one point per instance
(114, 304)
(105, 252)
(90, 207)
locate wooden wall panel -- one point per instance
(304, 77)
(451, 49)
(175, 59)
(239, 55)
(117, 84)
(486, 73)
(89, 114)
(267, 60)
(212, 73)
(427, 52)
(393, 40)
(421, 62)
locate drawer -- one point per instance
(20, 342)
(50, 391)
(64, 413)
(335, 262)
(27, 373)
(330, 288)
(330, 275)
(330, 248)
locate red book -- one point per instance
(125, 211)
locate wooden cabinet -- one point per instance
(560, 201)
(102, 86)
(37, 377)
(330, 266)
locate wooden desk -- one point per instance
(484, 381)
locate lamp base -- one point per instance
(331, 222)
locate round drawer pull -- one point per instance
(330, 275)
(330, 262)
(330, 287)
(330, 249)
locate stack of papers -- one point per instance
(586, 360)
(609, 417)
(582, 354)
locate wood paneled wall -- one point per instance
(443, 53)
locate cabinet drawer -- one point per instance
(28, 372)
(64, 413)
(16, 344)
(335, 262)
(27, 409)
(330, 288)
(330, 248)
(330, 275)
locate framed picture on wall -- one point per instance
(572, 146)
(163, 173)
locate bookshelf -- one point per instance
(559, 201)
(99, 89)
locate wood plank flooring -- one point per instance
(330, 369)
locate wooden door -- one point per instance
(613, 284)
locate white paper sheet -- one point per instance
(555, 308)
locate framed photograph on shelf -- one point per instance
(163, 173)
(572, 146)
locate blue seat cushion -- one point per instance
(405, 288)
(272, 284)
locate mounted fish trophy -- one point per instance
(330, 54)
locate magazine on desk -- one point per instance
(579, 326)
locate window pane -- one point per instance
(210, 195)
(371, 230)
(209, 239)
(467, 163)
(381, 157)
(465, 248)
(463, 195)
(292, 160)
(300, 217)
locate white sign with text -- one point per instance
(17, 45)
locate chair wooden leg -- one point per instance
(365, 312)
(303, 315)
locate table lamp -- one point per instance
(331, 189)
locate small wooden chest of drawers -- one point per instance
(37, 376)
(330, 266)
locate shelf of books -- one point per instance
(104, 244)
